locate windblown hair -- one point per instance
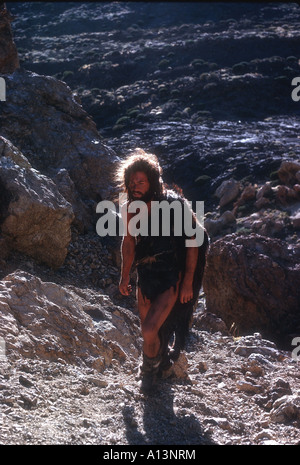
(148, 163)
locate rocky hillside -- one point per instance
(207, 87)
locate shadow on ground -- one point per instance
(161, 425)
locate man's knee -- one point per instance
(149, 330)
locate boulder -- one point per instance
(264, 191)
(43, 320)
(228, 191)
(263, 195)
(216, 226)
(43, 119)
(286, 409)
(68, 190)
(253, 282)
(288, 172)
(248, 194)
(9, 60)
(206, 321)
(35, 218)
(286, 195)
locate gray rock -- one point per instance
(253, 282)
(68, 190)
(43, 119)
(285, 409)
(227, 191)
(46, 321)
(288, 172)
(215, 226)
(35, 218)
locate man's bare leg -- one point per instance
(143, 305)
(153, 315)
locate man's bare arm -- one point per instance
(127, 257)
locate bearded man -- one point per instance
(169, 273)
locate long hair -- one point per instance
(139, 160)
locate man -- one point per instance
(169, 273)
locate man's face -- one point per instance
(139, 186)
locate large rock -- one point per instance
(42, 118)
(227, 191)
(34, 217)
(47, 321)
(9, 60)
(68, 190)
(253, 282)
(215, 226)
(289, 172)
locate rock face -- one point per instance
(34, 217)
(254, 283)
(176, 81)
(42, 320)
(68, 190)
(9, 60)
(42, 118)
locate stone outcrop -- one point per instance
(42, 118)
(42, 320)
(68, 190)
(253, 282)
(289, 172)
(216, 226)
(286, 409)
(9, 60)
(34, 217)
(227, 191)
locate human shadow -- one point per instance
(161, 425)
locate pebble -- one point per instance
(265, 434)
(202, 367)
(248, 387)
(25, 381)
(99, 382)
(261, 359)
(221, 422)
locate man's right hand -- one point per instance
(124, 286)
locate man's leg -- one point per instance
(153, 315)
(143, 305)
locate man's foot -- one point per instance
(147, 384)
(148, 373)
(165, 364)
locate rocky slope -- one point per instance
(71, 366)
(208, 89)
